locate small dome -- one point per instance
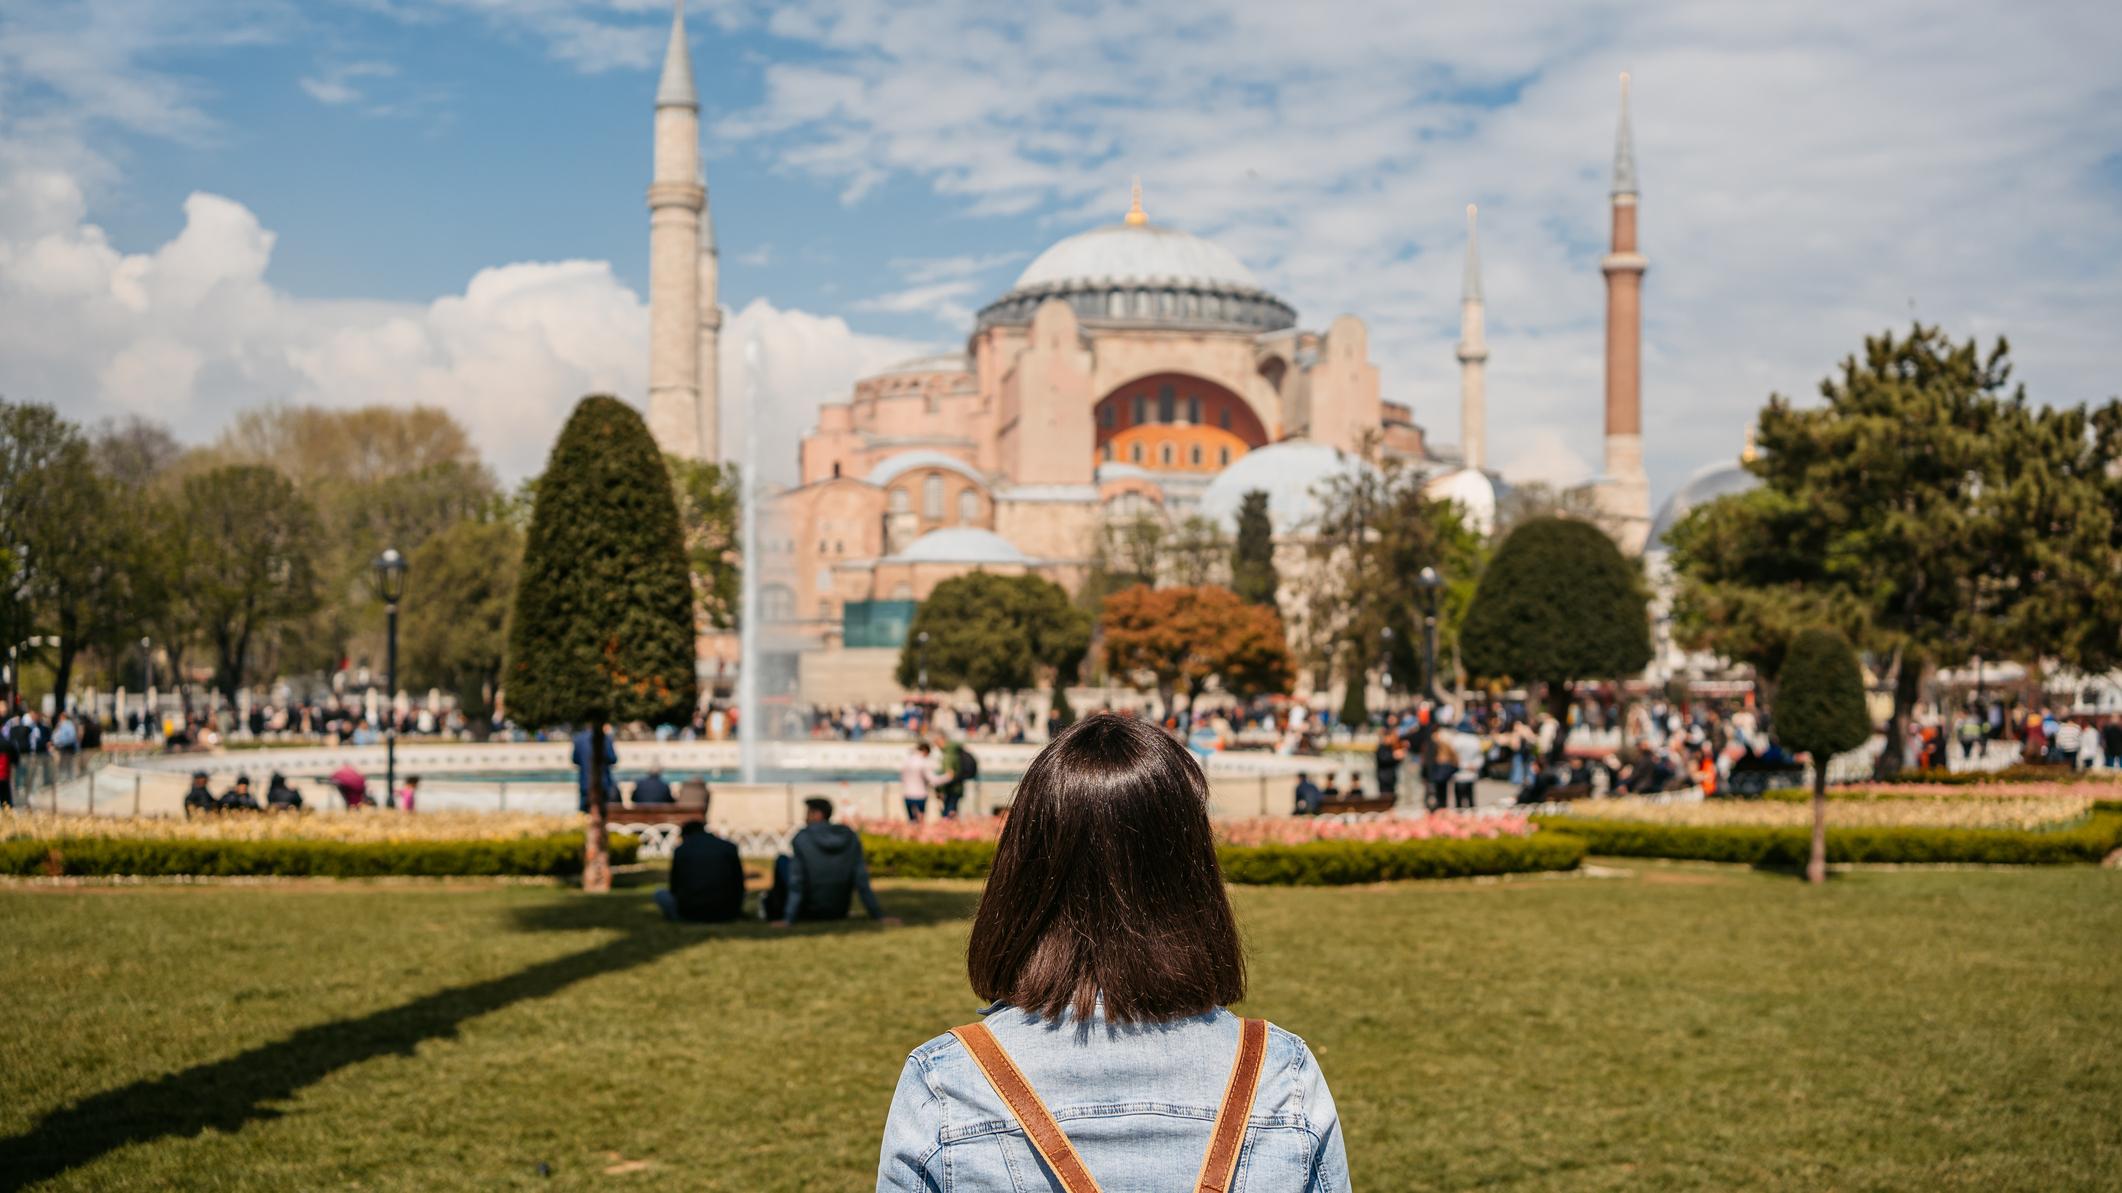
(1706, 485)
(1472, 491)
(1136, 253)
(893, 467)
(1291, 473)
(962, 544)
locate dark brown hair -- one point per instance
(1106, 884)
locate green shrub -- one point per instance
(556, 854)
(2018, 772)
(920, 859)
(1318, 863)
(1755, 845)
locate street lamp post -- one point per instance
(1385, 672)
(147, 684)
(921, 672)
(1427, 583)
(390, 585)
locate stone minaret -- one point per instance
(1625, 489)
(676, 202)
(1473, 356)
(710, 408)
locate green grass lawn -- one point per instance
(1688, 1027)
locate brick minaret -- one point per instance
(677, 199)
(1473, 356)
(1624, 488)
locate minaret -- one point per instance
(676, 200)
(710, 407)
(1626, 489)
(1473, 356)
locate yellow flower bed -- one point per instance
(1963, 811)
(282, 826)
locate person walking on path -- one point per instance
(917, 777)
(1107, 952)
(580, 756)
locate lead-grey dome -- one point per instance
(1136, 272)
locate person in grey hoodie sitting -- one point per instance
(822, 873)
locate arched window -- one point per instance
(932, 497)
(1136, 453)
(901, 501)
(1166, 454)
(968, 506)
(1116, 304)
(1193, 409)
(1223, 456)
(777, 602)
(1194, 455)
(1141, 409)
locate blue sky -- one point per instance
(207, 204)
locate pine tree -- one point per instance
(603, 625)
(1558, 605)
(1820, 711)
(1252, 560)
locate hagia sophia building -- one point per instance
(1132, 369)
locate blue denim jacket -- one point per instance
(1136, 1101)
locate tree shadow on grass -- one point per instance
(228, 1094)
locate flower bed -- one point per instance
(1788, 846)
(1275, 852)
(1884, 808)
(2021, 772)
(360, 846)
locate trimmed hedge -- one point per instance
(558, 854)
(1318, 863)
(2018, 772)
(1756, 845)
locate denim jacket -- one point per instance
(1136, 1101)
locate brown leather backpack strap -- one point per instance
(1227, 1139)
(1024, 1104)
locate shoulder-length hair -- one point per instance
(1105, 885)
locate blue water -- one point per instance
(674, 776)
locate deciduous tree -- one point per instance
(248, 562)
(1189, 637)
(994, 634)
(456, 629)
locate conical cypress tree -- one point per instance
(603, 626)
(1820, 711)
(1252, 564)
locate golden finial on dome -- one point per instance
(1135, 214)
(1749, 453)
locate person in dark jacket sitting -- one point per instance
(822, 873)
(651, 789)
(279, 797)
(198, 799)
(240, 798)
(706, 878)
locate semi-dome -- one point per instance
(1705, 486)
(1135, 272)
(1290, 473)
(898, 464)
(941, 362)
(962, 544)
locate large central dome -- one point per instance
(1135, 273)
(1137, 253)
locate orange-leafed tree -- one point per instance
(1188, 637)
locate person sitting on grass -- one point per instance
(279, 797)
(652, 789)
(1107, 951)
(822, 872)
(239, 798)
(706, 878)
